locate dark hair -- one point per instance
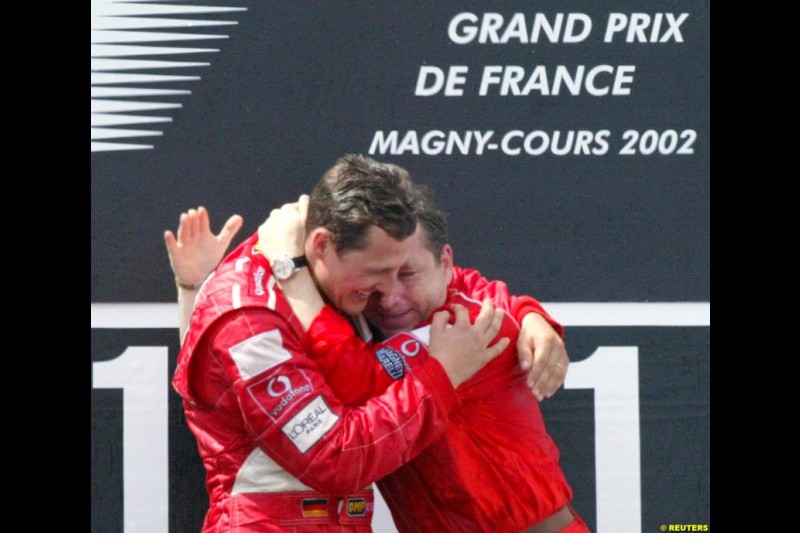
(358, 192)
(432, 220)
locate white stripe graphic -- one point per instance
(115, 50)
(271, 300)
(109, 64)
(123, 8)
(115, 106)
(112, 36)
(107, 119)
(110, 133)
(165, 315)
(115, 77)
(632, 314)
(236, 296)
(136, 64)
(109, 23)
(259, 353)
(105, 92)
(260, 473)
(109, 147)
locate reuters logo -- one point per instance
(684, 527)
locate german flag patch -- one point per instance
(315, 507)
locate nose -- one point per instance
(387, 301)
(389, 290)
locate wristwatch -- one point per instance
(284, 267)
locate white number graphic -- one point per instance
(613, 373)
(142, 374)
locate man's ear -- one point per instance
(446, 261)
(321, 243)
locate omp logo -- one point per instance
(356, 507)
(126, 93)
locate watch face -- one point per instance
(282, 268)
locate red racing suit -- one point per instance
(280, 450)
(474, 285)
(495, 469)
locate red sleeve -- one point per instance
(338, 350)
(292, 414)
(474, 285)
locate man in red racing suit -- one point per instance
(281, 451)
(275, 440)
(495, 469)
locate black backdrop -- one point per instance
(612, 235)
